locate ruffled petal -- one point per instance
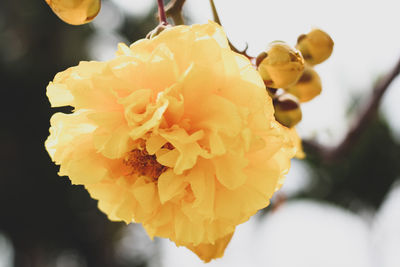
(207, 252)
(187, 146)
(229, 169)
(115, 199)
(202, 184)
(65, 130)
(111, 138)
(170, 186)
(59, 95)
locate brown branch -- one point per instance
(215, 13)
(174, 11)
(365, 116)
(161, 12)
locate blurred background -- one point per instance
(338, 214)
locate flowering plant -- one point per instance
(178, 131)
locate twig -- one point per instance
(217, 20)
(215, 13)
(365, 116)
(174, 11)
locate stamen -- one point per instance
(141, 163)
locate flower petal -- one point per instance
(59, 95)
(169, 186)
(207, 252)
(229, 169)
(187, 146)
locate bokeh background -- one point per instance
(341, 214)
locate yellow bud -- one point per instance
(316, 46)
(280, 66)
(287, 110)
(307, 87)
(75, 12)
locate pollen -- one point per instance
(141, 163)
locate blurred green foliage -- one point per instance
(362, 178)
(40, 212)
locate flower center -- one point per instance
(141, 163)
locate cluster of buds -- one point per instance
(289, 75)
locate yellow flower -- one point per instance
(176, 133)
(75, 12)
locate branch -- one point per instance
(174, 11)
(161, 12)
(365, 116)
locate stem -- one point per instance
(365, 116)
(161, 12)
(215, 13)
(174, 11)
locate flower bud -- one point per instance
(307, 87)
(280, 66)
(287, 110)
(75, 12)
(316, 46)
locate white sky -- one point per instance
(135, 8)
